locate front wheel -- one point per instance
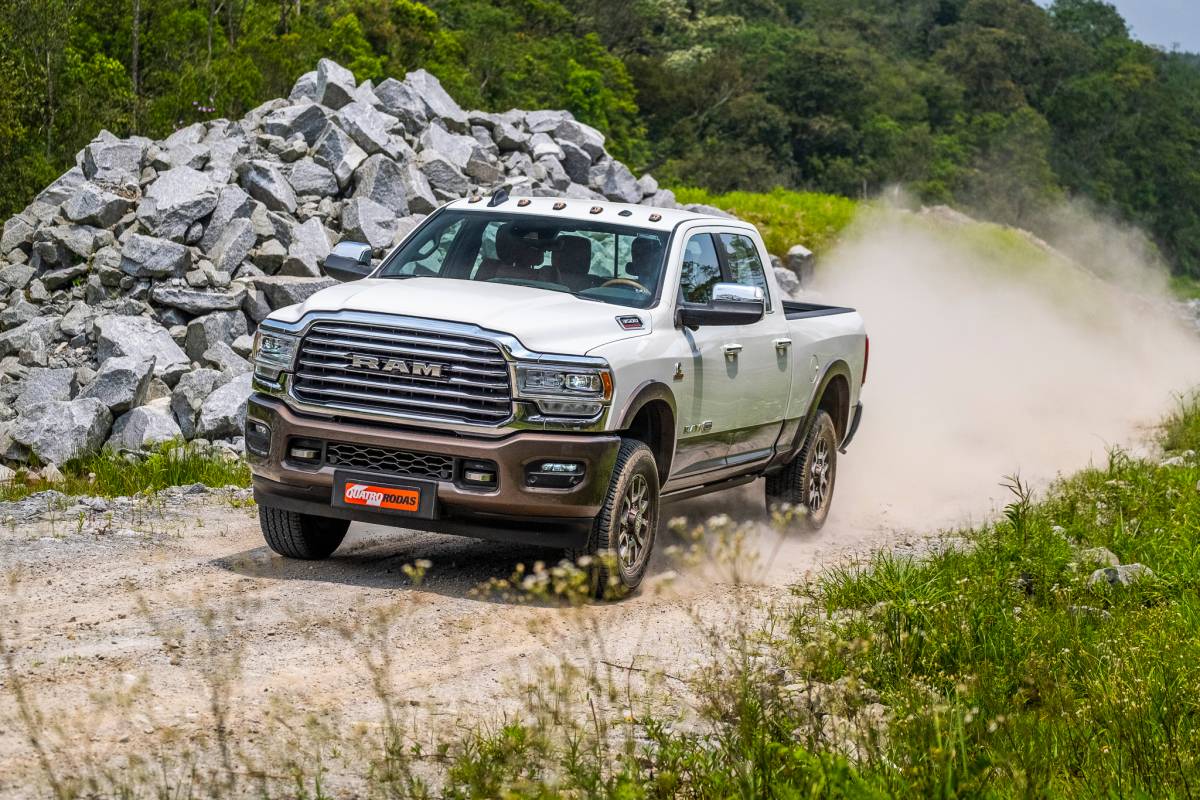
(303, 536)
(807, 480)
(622, 535)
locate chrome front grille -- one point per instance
(407, 372)
(391, 460)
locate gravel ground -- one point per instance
(126, 618)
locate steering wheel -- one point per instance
(625, 282)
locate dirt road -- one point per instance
(124, 621)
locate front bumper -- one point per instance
(511, 510)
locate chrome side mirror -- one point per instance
(349, 261)
(731, 304)
(739, 293)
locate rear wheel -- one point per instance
(302, 536)
(808, 479)
(622, 536)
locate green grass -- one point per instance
(1003, 672)
(1185, 287)
(107, 474)
(1011, 674)
(784, 217)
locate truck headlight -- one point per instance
(558, 382)
(274, 352)
(566, 391)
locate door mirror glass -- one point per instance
(349, 261)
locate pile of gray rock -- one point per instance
(130, 288)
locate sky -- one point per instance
(1165, 23)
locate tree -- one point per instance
(1093, 21)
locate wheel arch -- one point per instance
(649, 417)
(833, 397)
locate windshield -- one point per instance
(593, 260)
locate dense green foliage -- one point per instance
(997, 105)
(784, 217)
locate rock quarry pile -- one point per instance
(133, 284)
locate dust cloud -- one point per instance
(992, 354)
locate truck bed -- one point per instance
(797, 310)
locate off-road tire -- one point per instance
(798, 486)
(634, 471)
(303, 536)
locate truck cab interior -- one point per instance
(591, 260)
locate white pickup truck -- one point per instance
(547, 371)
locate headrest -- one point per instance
(512, 249)
(644, 257)
(573, 256)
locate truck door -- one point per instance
(705, 391)
(758, 358)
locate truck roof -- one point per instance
(663, 219)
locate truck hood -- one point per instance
(544, 321)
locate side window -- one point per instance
(701, 269)
(745, 267)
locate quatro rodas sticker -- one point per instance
(364, 494)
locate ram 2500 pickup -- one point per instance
(547, 371)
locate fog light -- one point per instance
(258, 437)
(554, 474)
(305, 451)
(560, 466)
(480, 473)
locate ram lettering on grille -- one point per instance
(399, 366)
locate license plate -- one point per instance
(385, 495)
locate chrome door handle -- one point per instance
(732, 350)
(783, 344)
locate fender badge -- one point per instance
(631, 323)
